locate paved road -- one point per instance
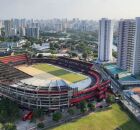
(24, 125)
(132, 107)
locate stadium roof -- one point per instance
(56, 84)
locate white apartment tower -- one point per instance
(136, 56)
(126, 39)
(105, 40)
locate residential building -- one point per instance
(105, 40)
(136, 56)
(32, 32)
(126, 39)
(8, 28)
(22, 31)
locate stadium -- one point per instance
(50, 83)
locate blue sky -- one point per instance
(84, 9)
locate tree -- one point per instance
(10, 126)
(9, 111)
(83, 106)
(40, 125)
(56, 46)
(27, 45)
(95, 55)
(110, 98)
(40, 56)
(73, 54)
(57, 116)
(91, 106)
(85, 55)
(71, 111)
(38, 113)
(114, 53)
(53, 51)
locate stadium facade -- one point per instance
(52, 95)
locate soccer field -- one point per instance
(60, 72)
(105, 120)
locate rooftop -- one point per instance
(40, 84)
(124, 76)
(132, 95)
(136, 90)
(113, 69)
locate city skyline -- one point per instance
(83, 9)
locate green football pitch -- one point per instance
(60, 72)
(104, 120)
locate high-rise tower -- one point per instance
(105, 40)
(126, 39)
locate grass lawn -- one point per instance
(60, 72)
(1, 126)
(105, 120)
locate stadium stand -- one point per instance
(15, 60)
(55, 95)
(10, 74)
